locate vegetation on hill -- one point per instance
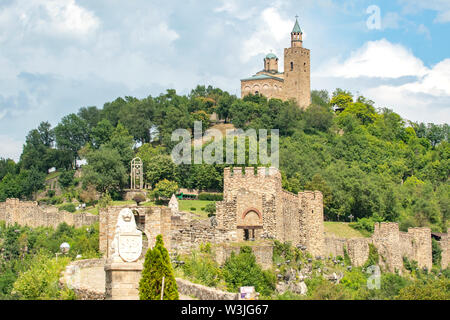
(29, 266)
(369, 164)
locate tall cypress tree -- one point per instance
(156, 266)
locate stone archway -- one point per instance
(250, 224)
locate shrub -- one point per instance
(202, 268)
(68, 207)
(431, 290)
(410, 265)
(210, 208)
(193, 209)
(164, 189)
(156, 266)
(373, 258)
(210, 196)
(40, 280)
(66, 178)
(322, 289)
(365, 225)
(436, 249)
(105, 200)
(138, 198)
(242, 270)
(51, 193)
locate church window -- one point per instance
(292, 66)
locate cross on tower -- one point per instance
(296, 17)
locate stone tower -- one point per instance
(297, 69)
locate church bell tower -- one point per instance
(297, 69)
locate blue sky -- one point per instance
(59, 55)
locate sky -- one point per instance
(57, 56)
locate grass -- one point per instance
(341, 230)
(186, 205)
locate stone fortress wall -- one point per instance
(255, 203)
(29, 213)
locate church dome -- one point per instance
(271, 56)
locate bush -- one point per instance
(138, 198)
(373, 258)
(51, 193)
(410, 265)
(437, 251)
(70, 207)
(322, 289)
(242, 270)
(40, 280)
(193, 209)
(202, 268)
(210, 208)
(210, 196)
(156, 266)
(66, 178)
(432, 290)
(365, 225)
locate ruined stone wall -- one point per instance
(334, 246)
(187, 234)
(358, 250)
(386, 239)
(392, 246)
(201, 292)
(445, 246)
(29, 213)
(312, 233)
(421, 244)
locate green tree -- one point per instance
(158, 168)
(71, 134)
(105, 170)
(164, 189)
(242, 270)
(156, 266)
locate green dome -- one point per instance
(271, 56)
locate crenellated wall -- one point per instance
(392, 245)
(29, 213)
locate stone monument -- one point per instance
(173, 204)
(137, 174)
(123, 269)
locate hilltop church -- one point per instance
(293, 83)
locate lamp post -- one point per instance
(64, 248)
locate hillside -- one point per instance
(368, 163)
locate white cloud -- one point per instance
(272, 34)
(10, 148)
(46, 17)
(442, 7)
(393, 77)
(381, 59)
